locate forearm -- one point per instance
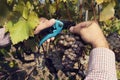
(4, 39)
(101, 65)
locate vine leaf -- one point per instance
(52, 9)
(25, 12)
(64, 0)
(19, 7)
(19, 31)
(99, 1)
(22, 29)
(8, 26)
(108, 12)
(33, 20)
(29, 5)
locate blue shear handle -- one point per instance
(58, 26)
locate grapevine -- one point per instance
(67, 56)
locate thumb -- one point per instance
(75, 29)
(71, 29)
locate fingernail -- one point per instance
(52, 38)
(71, 29)
(48, 40)
(52, 20)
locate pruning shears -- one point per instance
(53, 31)
(56, 29)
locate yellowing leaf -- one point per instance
(19, 7)
(99, 1)
(28, 4)
(9, 1)
(25, 12)
(108, 12)
(20, 31)
(33, 20)
(64, 0)
(8, 26)
(52, 9)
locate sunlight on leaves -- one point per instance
(64, 0)
(8, 26)
(17, 31)
(52, 9)
(19, 7)
(99, 1)
(33, 20)
(25, 12)
(108, 12)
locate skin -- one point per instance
(91, 33)
(44, 23)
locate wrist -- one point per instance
(103, 44)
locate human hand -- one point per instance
(44, 23)
(91, 33)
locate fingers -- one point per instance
(78, 27)
(44, 23)
(51, 39)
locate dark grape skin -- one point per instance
(114, 41)
(72, 45)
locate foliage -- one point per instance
(15, 12)
(21, 17)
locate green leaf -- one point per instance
(19, 7)
(63, 0)
(108, 12)
(52, 8)
(20, 31)
(25, 12)
(99, 1)
(28, 4)
(8, 26)
(9, 1)
(33, 20)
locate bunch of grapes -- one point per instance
(66, 53)
(114, 41)
(73, 48)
